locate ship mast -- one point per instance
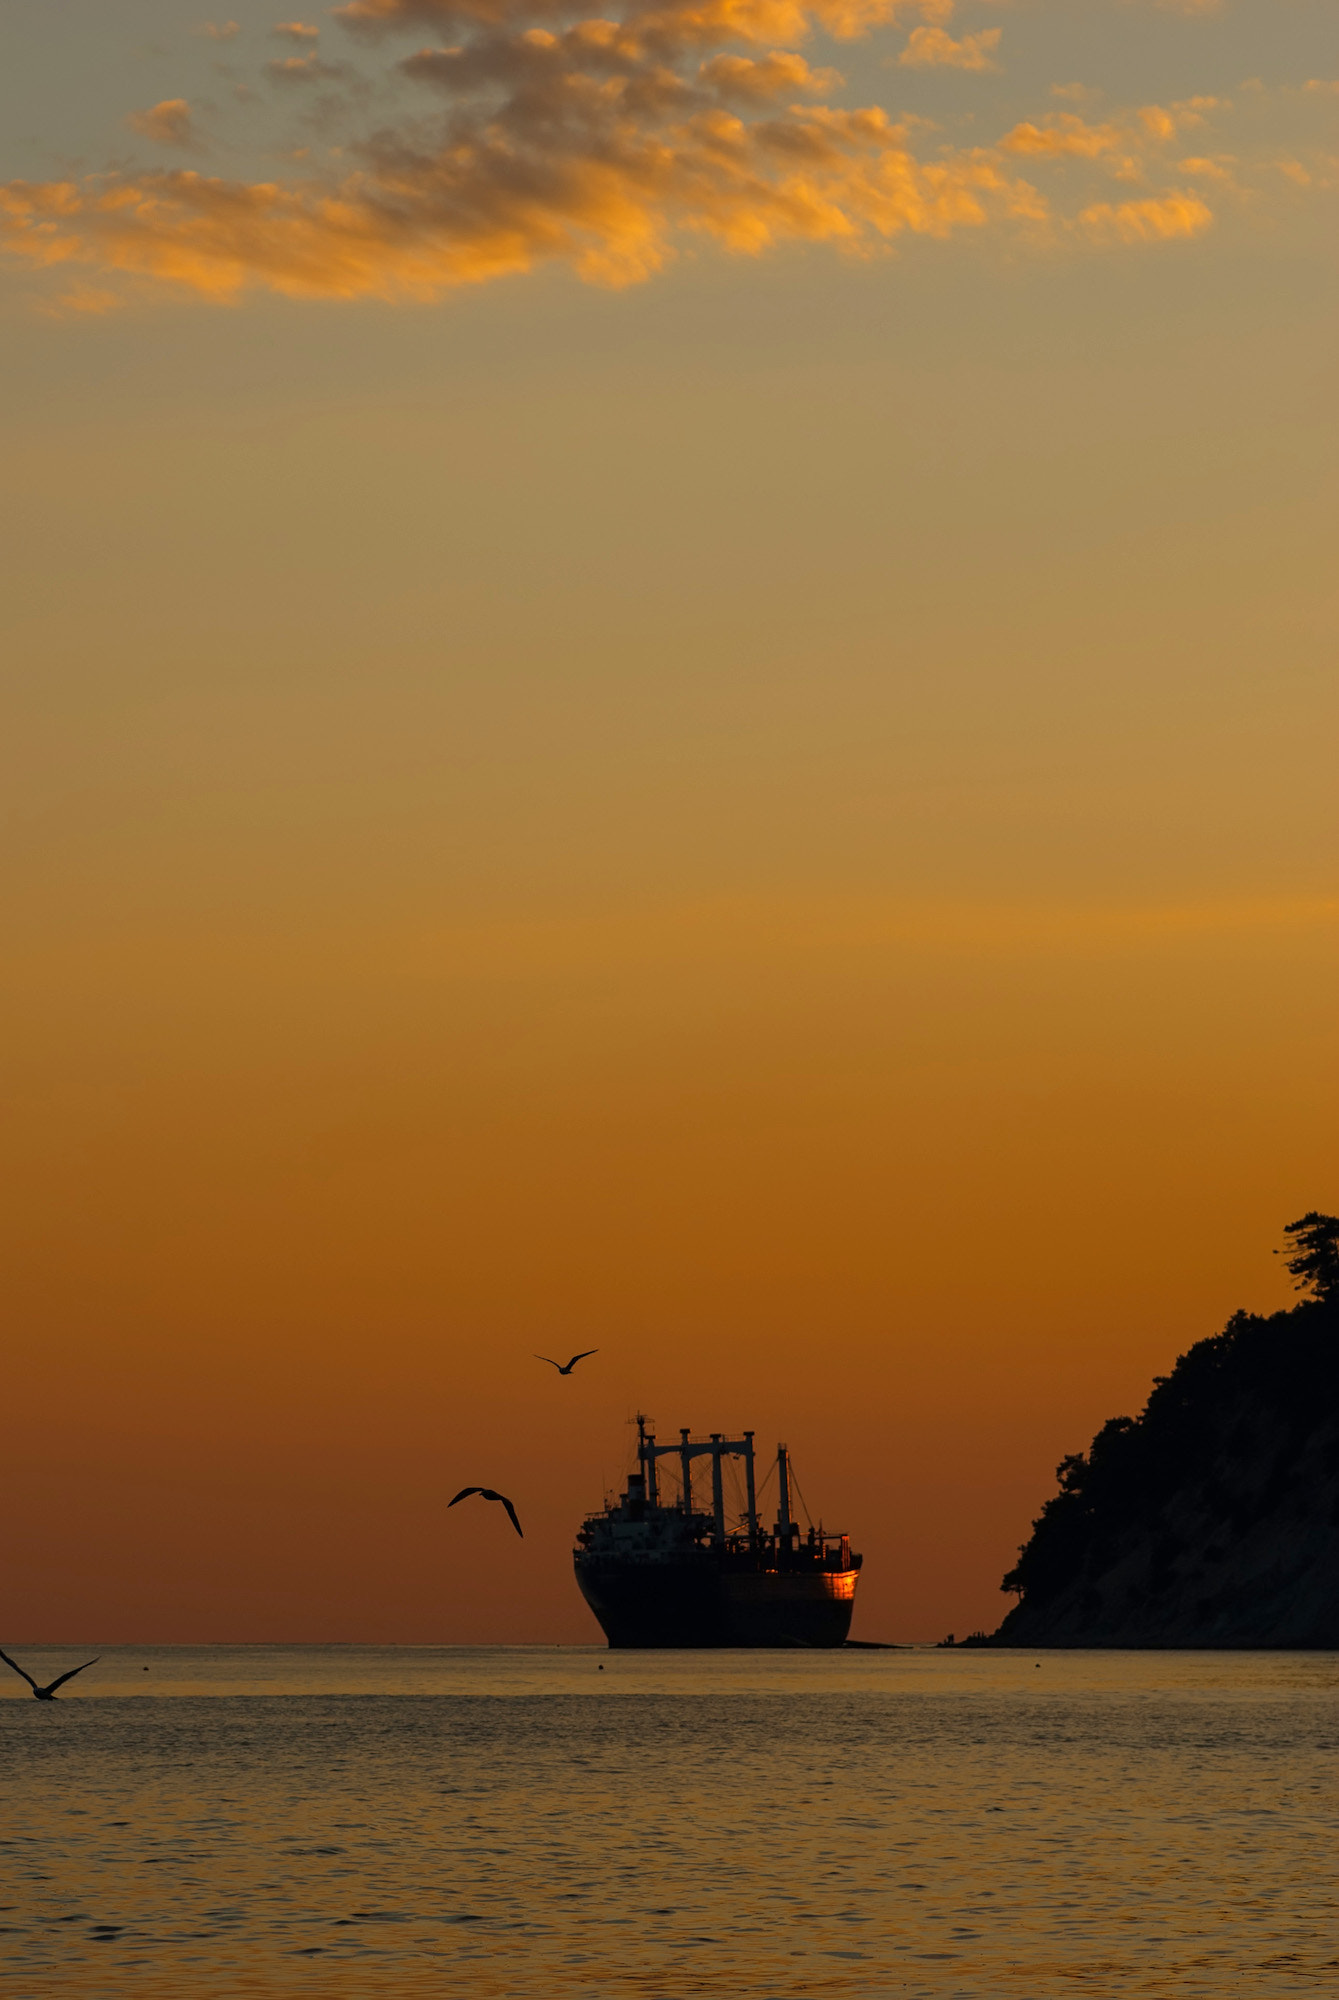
(646, 1458)
(783, 1522)
(717, 1492)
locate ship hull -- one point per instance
(705, 1603)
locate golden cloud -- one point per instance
(742, 80)
(302, 69)
(677, 24)
(1154, 221)
(167, 124)
(935, 48)
(487, 206)
(603, 143)
(595, 142)
(1063, 135)
(1219, 169)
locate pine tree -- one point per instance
(1313, 1254)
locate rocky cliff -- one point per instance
(1210, 1520)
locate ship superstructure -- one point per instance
(665, 1572)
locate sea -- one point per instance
(533, 1823)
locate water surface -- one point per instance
(538, 1823)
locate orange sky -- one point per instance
(777, 821)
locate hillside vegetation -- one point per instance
(1213, 1518)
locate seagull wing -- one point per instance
(552, 1363)
(464, 1494)
(18, 1669)
(70, 1676)
(488, 1493)
(582, 1356)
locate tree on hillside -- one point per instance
(1313, 1254)
(1163, 1501)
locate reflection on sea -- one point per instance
(535, 1823)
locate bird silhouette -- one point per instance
(571, 1364)
(487, 1493)
(48, 1693)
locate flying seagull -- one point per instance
(571, 1364)
(487, 1493)
(47, 1693)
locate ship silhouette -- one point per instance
(663, 1573)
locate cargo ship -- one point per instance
(665, 1572)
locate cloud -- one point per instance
(600, 143)
(1194, 9)
(545, 65)
(303, 69)
(1294, 171)
(742, 80)
(295, 31)
(664, 24)
(219, 31)
(1209, 170)
(935, 48)
(167, 124)
(1065, 134)
(88, 301)
(1167, 121)
(607, 202)
(608, 144)
(1154, 221)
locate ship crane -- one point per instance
(716, 1449)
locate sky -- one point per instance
(669, 686)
